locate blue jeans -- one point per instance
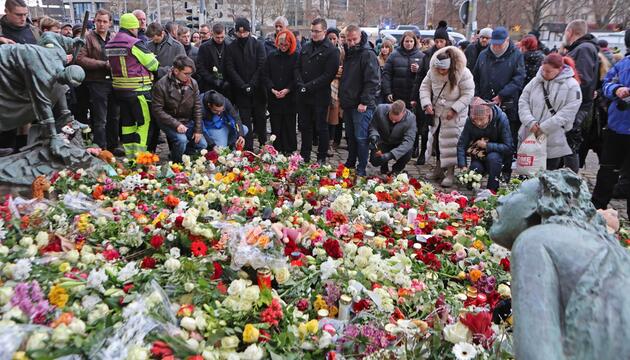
(357, 126)
(225, 136)
(491, 165)
(183, 143)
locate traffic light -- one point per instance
(193, 20)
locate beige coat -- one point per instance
(457, 98)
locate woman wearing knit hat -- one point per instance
(445, 94)
(279, 82)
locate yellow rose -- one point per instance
(302, 330)
(250, 334)
(64, 267)
(312, 326)
(478, 245)
(345, 173)
(58, 296)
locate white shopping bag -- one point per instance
(531, 157)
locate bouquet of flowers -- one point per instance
(470, 178)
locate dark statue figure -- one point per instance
(570, 276)
(33, 83)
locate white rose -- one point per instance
(282, 275)
(4, 251)
(201, 323)
(229, 342)
(14, 314)
(365, 251)
(251, 294)
(192, 344)
(77, 326)
(189, 287)
(61, 335)
(37, 341)
(456, 333)
(350, 249)
(175, 252)
(72, 256)
(172, 264)
(26, 241)
(31, 251)
(5, 295)
(325, 340)
(237, 286)
(137, 353)
(99, 312)
(189, 323)
(253, 352)
(87, 258)
(42, 239)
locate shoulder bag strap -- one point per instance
(547, 102)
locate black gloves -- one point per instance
(247, 89)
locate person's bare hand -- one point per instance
(240, 142)
(181, 129)
(450, 114)
(362, 108)
(622, 92)
(197, 138)
(6, 41)
(482, 144)
(497, 100)
(429, 110)
(535, 128)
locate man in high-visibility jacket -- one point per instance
(132, 67)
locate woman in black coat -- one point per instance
(279, 82)
(400, 70)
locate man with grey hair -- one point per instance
(142, 19)
(582, 48)
(281, 23)
(472, 52)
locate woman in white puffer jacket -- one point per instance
(557, 78)
(446, 92)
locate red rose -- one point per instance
(148, 263)
(361, 305)
(160, 349)
(111, 254)
(212, 156)
(127, 288)
(218, 271)
(505, 263)
(157, 241)
(198, 248)
(333, 249)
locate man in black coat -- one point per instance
(583, 50)
(500, 76)
(315, 69)
(357, 95)
(441, 39)
(472, 52)
(244, 62)
(211, 62)
(392, 132)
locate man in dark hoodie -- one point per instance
(499, 77)
(582, 48)
(441, 40)
(357, 95)
(244, 62)
(472, 52)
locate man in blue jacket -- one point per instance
(500, 77)
(486, 138)
(616, 144)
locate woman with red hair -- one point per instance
(279, 82)
(549, 104)
(532, 55)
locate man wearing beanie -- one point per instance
(616, 142)
(472, 52)
(441, 40)
(244, 61)
(499, 77)
(132, 66)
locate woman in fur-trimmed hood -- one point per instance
(446, 92)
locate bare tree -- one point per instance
(406, 11)
(605, 11)
(538, 11)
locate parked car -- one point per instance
(424, 34)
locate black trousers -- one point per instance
(313, 118)
(254, 119)
(283, 126)
(613, 177)
(104, 117)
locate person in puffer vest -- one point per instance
(132, 67)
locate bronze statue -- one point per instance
(570, 277)
(33, 84)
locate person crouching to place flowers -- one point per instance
(222, 125)
(177, 108)
(487, 139)
(392, 132)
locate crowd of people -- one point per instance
(467, 105)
